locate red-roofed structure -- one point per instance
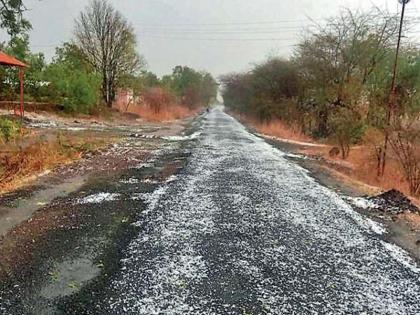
(9, 61)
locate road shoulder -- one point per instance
(403, 229)
(78, 218)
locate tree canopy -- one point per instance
(11, 17)
(337, 83)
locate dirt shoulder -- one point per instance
(65, 152)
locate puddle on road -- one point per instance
(69, 276)
(20, 210)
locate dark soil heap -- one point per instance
(394, 202)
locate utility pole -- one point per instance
(391, 99)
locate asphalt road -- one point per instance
(244, 230)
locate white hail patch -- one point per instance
(98, 198)
(362, 203)
(129, 181)
(401, 256)
(195, 135)
(244, 226)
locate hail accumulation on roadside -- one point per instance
(244, 230)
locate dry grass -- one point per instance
(34, 159)
(365, 163)
(277, 128)
(18, 164)
(359, 166)
(166, 113)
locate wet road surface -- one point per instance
(243, 230)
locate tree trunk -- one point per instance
(323, 122)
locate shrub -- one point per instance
(404, 141)
(9, 129)
(73, 86)
(347, 129)
(157, 98)
(82, 93)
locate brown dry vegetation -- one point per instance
(277, 128)
(159, 105)
(19, 162)
(360, 164)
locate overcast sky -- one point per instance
(215, 35)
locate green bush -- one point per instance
(75, 89)
(9, 129)
(347, 128)
(72, 83)
(82, 93)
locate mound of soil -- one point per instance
(394, 202)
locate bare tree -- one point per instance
(108, 43)
(404, 141)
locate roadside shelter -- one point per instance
(9, 61)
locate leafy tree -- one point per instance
(140, 82)
(108, 43)
(18, 47)
(208, 88)
(192, 87)
(269, 90)
(339, 60)
(149, 79)
(237, 91)
(72, 82)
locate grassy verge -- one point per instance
(24, 157)
(276, 128)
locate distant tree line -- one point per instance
(84, 74)
(337, 84)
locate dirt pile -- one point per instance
(394, 202)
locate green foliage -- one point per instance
(18, 47)
(237, 91)
(72, 83)
(347, 128)
(192, 87)
(270, 90)
(140, 83)
(9, 129)
(11, 17)
(409, 83)
(338, 81)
